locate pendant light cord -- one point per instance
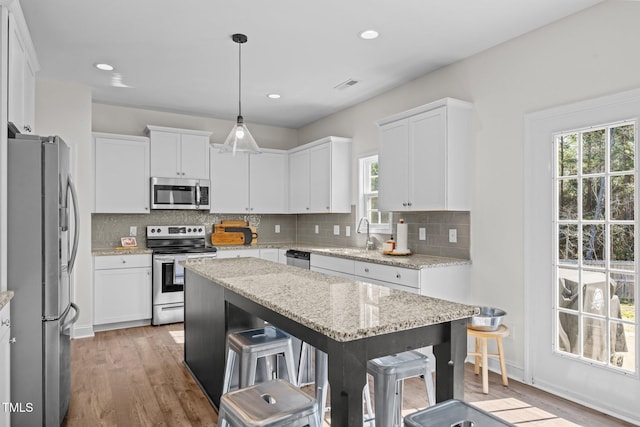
(239, 79)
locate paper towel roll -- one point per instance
(401, 240)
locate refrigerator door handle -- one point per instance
(76, 231)
(75, 316)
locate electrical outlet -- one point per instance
(423, 233)
(317, 229)
(133, 231)
(336, 230)
(453, 235)
(347, 230)
(277, 228)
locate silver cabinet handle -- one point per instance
(366, 270)
(408, 203)
(404, 204)
(6, 322)
(398, 276)
(177, 173)
(124, 261)
(12, 341)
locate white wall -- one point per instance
(65, 109)
(583, 56)
(132, 121)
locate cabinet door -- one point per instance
(238, 253)
(122, 295)
(393, 157)
(299, 182)
(270, 254)
(320, 178)
(194, 156)
(229, 182)
(121, 175)
(5, 365)
(17, 55)
(268, 179)
(428, 160)
(165, 154)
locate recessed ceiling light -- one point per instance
(273, 96)
(369, 34)
(104, 67)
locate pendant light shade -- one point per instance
(240, 139)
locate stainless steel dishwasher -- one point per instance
(298, 258)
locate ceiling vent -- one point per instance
(346, 84)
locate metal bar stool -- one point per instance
(252, 345)
(389, 373)
(481, 354)
(273, 403)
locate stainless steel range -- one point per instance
(172, 244)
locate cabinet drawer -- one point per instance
(5, 320)
(387, 273)
(341, 265)
(238, 253)
(108, 262)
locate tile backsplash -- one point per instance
(107, 229)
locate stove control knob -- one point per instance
(200, 230)
(153, 230)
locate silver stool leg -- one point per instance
(384, 407)
(288, 358)
(397, 404)
(303, 361)
(228, 370)
(368, 415)
(428, 382)
(322, 382)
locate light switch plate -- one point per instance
(336, 230)
(317, 229)
(423, 233)
(133, 231)
(453, 235)
(277, 228)
(347, 230)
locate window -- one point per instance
(595, 185)
(380, 222)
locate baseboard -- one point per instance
(121, 325)
(83, 331)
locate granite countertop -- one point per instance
(5, 297)
(342, 309)
(113, 251)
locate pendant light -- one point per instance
(240, 139)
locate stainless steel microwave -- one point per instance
(180, 193)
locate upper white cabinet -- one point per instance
(179, 153)
(249, 183)
(424, 158)
(320, 176)
(21, 75)
(121, 165)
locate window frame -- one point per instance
(364, 195)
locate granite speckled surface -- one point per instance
(5, 297)
(112, 251)
(342, 309)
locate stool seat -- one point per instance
(389, 373)
(253, 344)
(481, 353)
(270, 404)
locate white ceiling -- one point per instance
(179, 56)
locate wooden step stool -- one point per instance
(481, 354)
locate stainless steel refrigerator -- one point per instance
(42, 216)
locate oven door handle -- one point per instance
(164, 258)
(202, 255)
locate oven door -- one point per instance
(168, 276)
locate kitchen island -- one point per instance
(350, 321)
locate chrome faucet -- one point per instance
(369, 244)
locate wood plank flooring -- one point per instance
(135, 377)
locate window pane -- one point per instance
(595, 293)
(568, 333)
(623, 354)
(567, 155)
(622, 292)
(593, 245)
(384, 217)
(568, 199)
(594, 339)
(593, 151)
(622, 148)
(568, 289)
(622, 246)
(568, 243)
(622, 192)
(593, 202)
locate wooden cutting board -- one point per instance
(219, 235)
(223, 238)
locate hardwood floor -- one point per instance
(135, 377)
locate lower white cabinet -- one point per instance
(238, 253)
(270, 254)
(5, 364)
(450, 282)
(122, 288)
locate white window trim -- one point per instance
(361, 206)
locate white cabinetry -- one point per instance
(249, 183)
(122, 288)
(424, 158)
(270, 254)
(5, 364)
(179, 153)
(21, 77)
(320, 176)
(404, 279)
(121, 167)
(238, 253)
